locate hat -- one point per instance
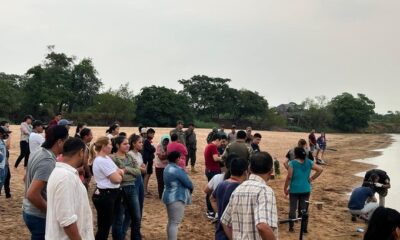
(64, 122)
(37, 123)
(4, 130)
(143, 130)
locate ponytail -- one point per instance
(96, 147)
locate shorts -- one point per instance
(149, 167)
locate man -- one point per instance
(221, 195)
(232, 134)
(255, 145)
(3, 155)
(381, 186)
(362, 202)
(249, 136)
(65, 123)
(191, 145)
(239, 147)
(179, 131)
(148, 157)
(55, 120)
(7, 141)
(221, 131)
(291, 156)
(222, 145)
(211, 134)
(69, 215)
(26, 129)
(84, 172)
(212, 163)
(36, 138)
(251, 212)
(312, 141)
(40, 166)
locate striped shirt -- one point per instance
(252, 203)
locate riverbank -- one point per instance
(331, 188)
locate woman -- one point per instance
(161, 162)
(26, 129)
(300, 184)
(79, 128)
(384, 224)
(321, 141)
(112, 131)
(128, 191)
(136, 146)
(177, 193)
(108, 178)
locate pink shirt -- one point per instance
(179, 147)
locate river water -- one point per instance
(389, 161)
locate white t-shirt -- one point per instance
(35, 141)
(137, 156)
(103, 167)
(215, 181)
(67, 203)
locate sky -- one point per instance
(286, 50)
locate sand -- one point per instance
(332, 222)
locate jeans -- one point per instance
(24, 147)
(127, 214)
(105, 202)
(160, 181)
(368, 209)
(36, 225)
(192, 156)
(7, 181)
(298, 201)
(175, 212)
(3, 173)
(209, 175)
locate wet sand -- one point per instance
(332, 222)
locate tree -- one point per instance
(350, 113)
(249, 105)
(161, 106)
(11, 94)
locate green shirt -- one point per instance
(132, 169)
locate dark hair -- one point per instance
(173, 156)
(174, 137)
(191, 124)
(79, 126)
(122, 134)
(301, 142)
(373, 177)
(58, 114)
(261, 163)
(116, 142)
(28, 117)
(257, 135)
(227, 163)
(150, 130)
(72, 146)
(133, 140)
(223, 137)
(53, 134)
(382, 224)
(140, 128)
(3, 123)
(215, 137)
(112, 128)
(300, 153)
(241, 134)
(238, 166)
(85, 132)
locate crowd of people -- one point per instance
(60, 169)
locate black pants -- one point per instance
(160, 181)
(24, 146)
(298, 201)
(209, 175)
(191, 156)
(105, 202)
(7, 181)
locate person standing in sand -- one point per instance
(191, 145)
(312, 141)
(321, 141)
(179, 131)
(148, 158)
(26, 129)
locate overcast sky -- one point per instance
(286, 50)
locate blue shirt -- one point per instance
(358, 197)
(300, 178)
(177, 185)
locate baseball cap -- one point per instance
(143, 130)
(64, 122)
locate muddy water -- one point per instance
(389, 161)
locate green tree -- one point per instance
(351, 113)
(11, 95)
(161, 106)
(249, 105)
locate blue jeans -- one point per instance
(127, 214)
(36, 225)
(140, 190)
(3, 174)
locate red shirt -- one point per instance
(53, 122)
(209, 152)
(179, 147)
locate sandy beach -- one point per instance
(332, 222)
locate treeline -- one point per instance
(62, 83)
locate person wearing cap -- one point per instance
(179, 131)
(26, 129)
(40, 166)
(3, 155)
(36, 138)
(232, 134)
(55, 120)
(7, 142)
(65, 123)
(143, 132)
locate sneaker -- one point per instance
(210, 215)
